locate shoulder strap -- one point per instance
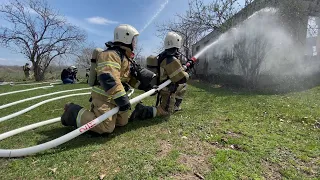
(160, 58)
(118, 50)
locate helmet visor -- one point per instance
(134, 42)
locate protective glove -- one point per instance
(155, 87)
(125, 107)
(190, 63)
(172, 87)
(123, 103)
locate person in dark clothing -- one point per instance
(74, 71)
(26, 70)
(67, 76)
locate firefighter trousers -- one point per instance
(100, 105)
(167, 101)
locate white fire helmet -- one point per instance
(126, 34)
(172, 40)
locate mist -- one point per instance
(263, 31)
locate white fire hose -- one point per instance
(31, 89)
(76, 132)
(37, 97)
(26, 128)
(28, 84)
(39, 104)
(39, 124)
(14, 83)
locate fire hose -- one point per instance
(37, 97)
(31, 89)
(76, 132)
(84, 128)
(38, 104)
(39, 124)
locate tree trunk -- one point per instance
(38, 75)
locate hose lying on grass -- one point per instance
(37, 97)
(28, 83)
(76, 132)
(29, 127)
(39, 124)
(14, 83)
(31, 89)
(39, 104)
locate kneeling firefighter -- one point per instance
(114, 72)
(168, 66)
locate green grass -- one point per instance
(220, 134)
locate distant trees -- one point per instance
(84, 55)
(199, 20)
(39, 33)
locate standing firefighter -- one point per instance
(168, 66)
(113, 69)
(26, 70)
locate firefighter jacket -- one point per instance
(114, 66)
(171, 68)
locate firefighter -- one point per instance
(67, 76)
(169, 67)
(114, 69)
(26, 70)
(181, 91)
(74, 71)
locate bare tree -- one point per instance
(38, 32)
(209, 17)
(83, 59)
(251, 53)
(138, 57)
(84, 55)
(247, 2)
(190, 34)
(138, 50)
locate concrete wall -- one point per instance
(318, 39)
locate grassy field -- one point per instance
(220, 134)
(15, 73)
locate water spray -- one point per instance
(232, 33)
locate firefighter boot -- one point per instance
(70, 114)
(177, 105)
(142, 112)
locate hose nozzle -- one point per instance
(191, 62)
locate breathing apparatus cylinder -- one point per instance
(93, 72)
(146, 77)
(152, 65)
(143, 75)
